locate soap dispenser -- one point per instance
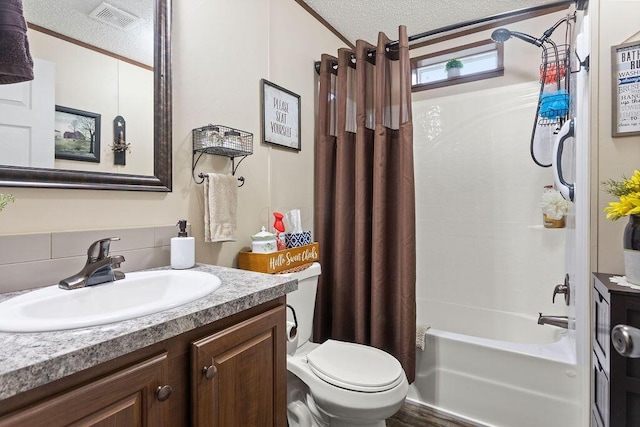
(183, 248)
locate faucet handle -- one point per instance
(559, 289)
(563, 288)
(100, 249)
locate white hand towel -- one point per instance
(220, 206)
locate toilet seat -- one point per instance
(355, 367)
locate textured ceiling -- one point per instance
(71, 18)
(363, 19)
(354, 19)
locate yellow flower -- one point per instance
(628, 205)
(628, 193)
(633, 183)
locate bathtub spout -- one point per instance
(559, 321)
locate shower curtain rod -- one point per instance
(394, 45)
(580, 5)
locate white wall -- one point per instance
(219, 82)
(615, 157)
(90, 81)
(221, 50)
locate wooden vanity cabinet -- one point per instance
(124, 398)
(164, 384)
(616, 379)
(238, 369)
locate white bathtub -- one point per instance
(478, 366)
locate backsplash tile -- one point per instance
(34, 260)
(163, 235)
(74, 243)
(25, 247)
(34, 274)
(145, 258)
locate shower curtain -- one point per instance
(364, 200)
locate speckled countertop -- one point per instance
(29, 360)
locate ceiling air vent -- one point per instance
(115, 17)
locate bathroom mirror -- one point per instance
(17, 176)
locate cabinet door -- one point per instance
(625, 372)
(600, 394)
(124, 398)
(238, 375)
(601, 340)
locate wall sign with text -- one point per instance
(625, 89)
(280, 116)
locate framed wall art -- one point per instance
(625, 89)
(280, 116)
(77, 135)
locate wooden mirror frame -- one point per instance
(16, 176)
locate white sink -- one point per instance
(138, 294)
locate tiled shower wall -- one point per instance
(41, 259)
(480, 239)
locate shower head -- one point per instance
(501, 35)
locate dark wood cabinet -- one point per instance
(616, 379)
(165, 385)
(133, 396)
(238, 369)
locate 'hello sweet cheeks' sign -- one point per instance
(280, 116)
(293, 258)
(276, 262)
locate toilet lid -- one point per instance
(355, 367)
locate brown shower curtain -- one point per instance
(364, 200)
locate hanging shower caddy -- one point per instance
(220, 140)
(554, 99)
(554, 105)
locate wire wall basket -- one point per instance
(222, 141)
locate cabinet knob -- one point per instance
(626, 340)
(209, 371)
(163, 392)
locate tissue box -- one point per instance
(293, 240)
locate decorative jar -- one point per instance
(263, 242)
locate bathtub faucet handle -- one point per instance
(562, 289)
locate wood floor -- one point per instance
(411, 415)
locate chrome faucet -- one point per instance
(100, 267)
(559, 321)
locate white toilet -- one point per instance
(336, 384)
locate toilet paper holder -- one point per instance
(293, 332)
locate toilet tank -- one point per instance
(303, 300)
